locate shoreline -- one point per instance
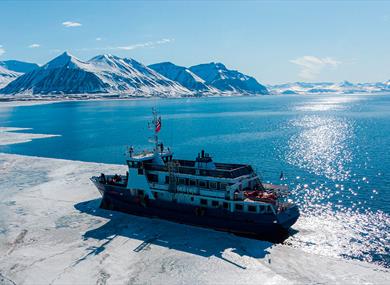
(28, 101)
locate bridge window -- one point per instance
(223, 186)
(181, 181)
(239, 207)
(262, 209)
(251, 208)
(214, 203)
(192, 182)
(202, 183)
(203, 201)
(152, 177)
(213, 185)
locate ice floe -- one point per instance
(52, 231)
(9, 136)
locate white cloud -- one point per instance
(70, 24)
(150, 44)
(2, 50)
(147, 44)
(34, 46)
(311, 66)
(98, 39)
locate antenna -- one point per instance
(156, 123)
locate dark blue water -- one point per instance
(333, 151)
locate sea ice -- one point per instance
(53, 231)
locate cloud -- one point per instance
(69, 24)
(2, 50)
(141, 45)
(34, 46)
(150, 44)
(98, 39)
(311, 66)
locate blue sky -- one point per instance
(275, 41)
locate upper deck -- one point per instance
(222, 170)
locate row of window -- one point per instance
(238, 207)
(213, 185)
(225, 205)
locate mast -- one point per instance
(156, 122)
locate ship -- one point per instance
(227, 197)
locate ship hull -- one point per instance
(266, 226)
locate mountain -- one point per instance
(126, 74)
(182, 75)
(6, 76)
(218, 76)
(344, 87)
(19, 66)
(107, 74)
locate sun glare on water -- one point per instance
(336, 220)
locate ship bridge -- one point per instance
(201, 167)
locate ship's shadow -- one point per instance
(150, 231)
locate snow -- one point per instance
(226, 80)
(52, 231)
(108, 74)
(343, 87)
(8, 136)
(6, 76)
(184, 76)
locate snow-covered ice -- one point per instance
(53, 232)
(9, 136)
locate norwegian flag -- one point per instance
(158, 125)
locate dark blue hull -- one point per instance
(262, 225)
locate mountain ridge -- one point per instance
(113, 75)
(182, 75)
(343, 87)
(104, 74)
(19, 66)
(218, 76)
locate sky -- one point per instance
(274, 41)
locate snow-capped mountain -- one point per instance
(19, 66)
(344, 87)
(102, 74)
(6, 76)
(184, 76)
(218, 76)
